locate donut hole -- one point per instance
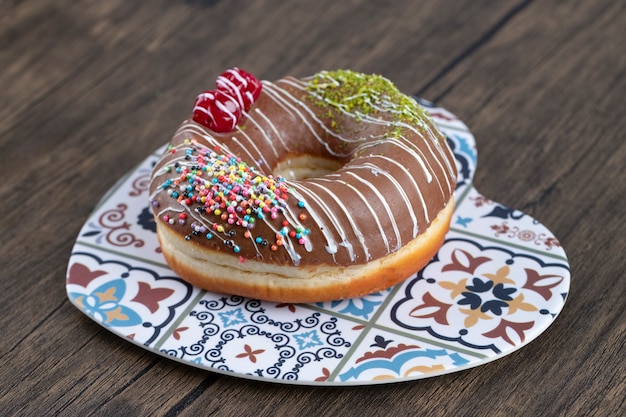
(299, 167)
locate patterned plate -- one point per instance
(498, 282)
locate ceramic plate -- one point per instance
(498, 282)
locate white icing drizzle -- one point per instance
(271, 125)
(263, 133)
(305, 193)
(347, 216)
(442, 155)
(388, 209)
(228, 85)
(371, 210)
(292, 103)
(399, 142)
(229, 107)
(189, 130)
(401, 189)
(260, 160)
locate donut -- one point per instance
(308, 189)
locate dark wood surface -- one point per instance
(89, 88)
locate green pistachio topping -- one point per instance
(363, 96)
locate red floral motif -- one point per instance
(150, 297)
(501, 331)
(431, 308)
(289, 306)
(551, 242)
(249, 353)
(386, 353)
(79, 274)
(176, 333)
(541, 284)
(524, 235)
(501, 229)
(481, 201)
(464, 261)
(324, 377)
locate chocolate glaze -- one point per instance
(397, 174)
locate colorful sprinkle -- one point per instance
(228, 194)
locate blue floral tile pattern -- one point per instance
(244, 336)
(499, 280)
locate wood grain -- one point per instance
(88, 89)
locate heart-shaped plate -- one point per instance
(497, 283)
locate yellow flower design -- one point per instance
(518, 304)
(456, 288)
(473, 316)
(501, 276)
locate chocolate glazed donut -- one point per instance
(303, 190)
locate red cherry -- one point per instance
(217, 111)
(240, 84)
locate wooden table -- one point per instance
(88, 89)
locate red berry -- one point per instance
(240, 84)
(217, 111)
